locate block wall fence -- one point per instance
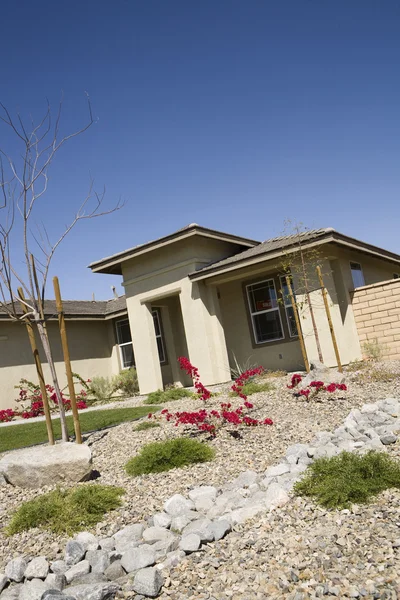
(377, 314)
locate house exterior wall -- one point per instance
(377, 314)
(92, 348)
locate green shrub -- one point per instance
(126, 382)
(101, 388)
(147, 425)
(339, 481)
(252, 387)
(167, 395)
(66, 511)
(163, 456)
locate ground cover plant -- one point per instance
(167, 395)
(126, 382)
(349, 478)
(147, 425)
(253, 387)
(164, 456)
(66, 511)
(209, 421)
(29, 434)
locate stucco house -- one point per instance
(214, 297)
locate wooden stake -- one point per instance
(39, 370)
(328, 314)
(299, 330)
(68, 370)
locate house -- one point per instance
(216, 298)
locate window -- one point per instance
(124, 340)
(291, 321)
(159, 336)
(264, 311)
(357, 274)
(396, 276)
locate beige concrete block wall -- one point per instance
(376, 310)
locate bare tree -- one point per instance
(23, 185)
(299, 262)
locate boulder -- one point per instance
(98, 559)
(33, 590)
(320, 372)
(157, 534)
(114, 571)
(148, 582)
(87, 540)
(76, 571)
(275, 496)
(178, 505)
(38, 568)
(56, 581)
(202, 527)
(59, 567)
(74, 553)
(190, 543)
(138, 558)
(128, 537)
(162, 520)
(220, 528)
(15, 569)
(98, 591)
(12, 592)
(55, 595)
(47, 465)
(3, 582)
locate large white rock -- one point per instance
(47, 465)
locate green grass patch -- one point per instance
(66, 511)
(161, 396)
(147, 425)
(348, 478)
(252, 387)
(29, 434)
(163, 456)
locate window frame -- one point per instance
(354, 262)
(156, 311)
(121, 357)
(288, 305)
(268, 310)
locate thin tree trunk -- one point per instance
(46, 347)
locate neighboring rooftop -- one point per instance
(93, 309)
(112, 264)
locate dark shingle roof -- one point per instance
(271, 245)
(81, 308)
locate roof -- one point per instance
(277, 245)
(93, 309)
(112, 264)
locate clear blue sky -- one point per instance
(233, 114)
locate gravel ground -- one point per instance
(298, 552)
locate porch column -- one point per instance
(170, 343)
(205, 336)
(144, 346)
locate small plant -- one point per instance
(101, 388)
(66, 511)
(273, 374)
(253, 387)
(373, 350)
(314, 388)
(146, 425)
(349, 478)
(126, 382)
(193, 372)
(163, 456)
(30, 397)
(239, 368)
(167, 395)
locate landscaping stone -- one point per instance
(128, 537)
(12, 592)
(47, 465)
(275, 496)
(190, 543)
(37, 568)
(33, 590)
(138, 558)
(178, 505)
(171, 560)
(114, 571)
(388, 438)
(203, 491)
(3, 582)
(77, 570)
(55, 595)
(161, 519)
(220, 528)
(156, 534)
(59, 566)
(56, 581)
(163, 547)
(99, 560)
(15, 569)
(148, 582)
(99, 591)
(107, 544)
(179, 523)
(74, 553)
(87, 540)
(202, 527)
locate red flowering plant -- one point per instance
(30, 397)
(313, 389)
(209, 421)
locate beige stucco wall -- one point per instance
(377, 313)
(92, 349)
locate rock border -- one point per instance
(133, 558)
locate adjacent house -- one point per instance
(214, 297)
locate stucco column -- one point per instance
(144, 346)
(204, 332)
(170, 343)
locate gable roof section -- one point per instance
(81, 309)
(112, 264)
(276, 246)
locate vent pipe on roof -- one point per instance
(93, 298)
(114, 291)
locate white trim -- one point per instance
(262, 312)
(121, 357)
(285, 306)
